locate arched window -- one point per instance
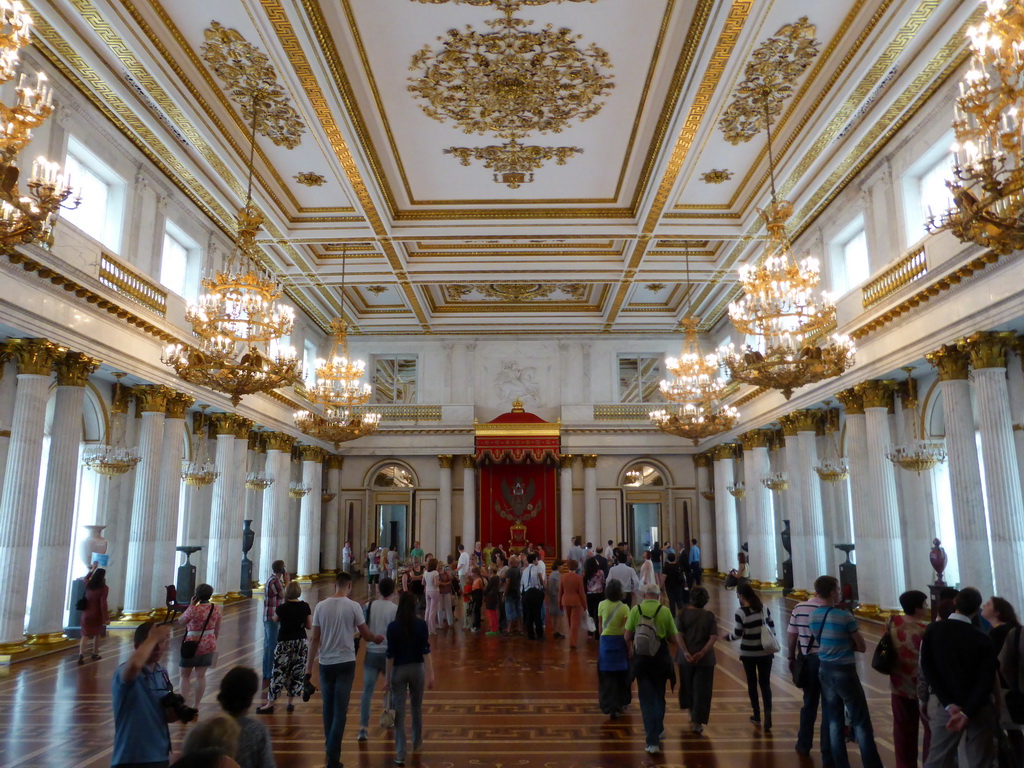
(642, 475)
(393, 476)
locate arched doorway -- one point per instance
(392, 486)
(645, 505)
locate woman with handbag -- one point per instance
(409, 671)
(573, 600)
(905, 633)
(755, 631)
(379, 615)
(95, 616)
(202, 626)
(593, 582)
(613, 685)
(698, 627)
(290, 653)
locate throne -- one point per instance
(518, 533)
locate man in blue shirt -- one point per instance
(836, 634)
(694, 562)
(141, 737)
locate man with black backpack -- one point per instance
(649, 629)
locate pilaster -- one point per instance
(591, 514)
(443, 545)
(469, 501)
(565, 511)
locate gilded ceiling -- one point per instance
(507, 166)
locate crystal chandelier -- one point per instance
(781, 313)
(238, 321)
(709, 495)
(201, 471)
(112, 459)
(26, 218)
(988, 161)
(915, 453)
(328, 496)
(737, 489)
(258, 479)
(832, 467)
(297, 490)
(776, 481)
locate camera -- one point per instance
(308, 689)
(176, 703)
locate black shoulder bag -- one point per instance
(884, 658)
(800, 668)
(189, 648)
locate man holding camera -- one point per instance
(144, 703)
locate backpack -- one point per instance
(645, 637)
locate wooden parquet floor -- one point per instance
(498, 703)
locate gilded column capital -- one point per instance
(335, 461)
(278, 441)
(987, 349)
(177, 405)
(469, 461)
(724, 451)
(852, 401)
(755, 438)
(589, 460)
(950, 361)
(445, 460)
(73, 368)
(312, 453)
(702, 460)
(566, 460)
(877, 393)
(150, 398)
(807, 420)
(223, 424)
(33, 356)
(243, 427)
(789, 425)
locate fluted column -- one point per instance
(727, 538)
(164, 559)
(819, 562)
(35, 359)
(151, 401)
(309, 513)
(591, 514)
(275, 502)
(781, 502)
(114, 500)
(469, 502)
(760, 533)
(565, 462)
(227, 490)
(8, 385)
(195, 527)
(881, 543)
(237, 511)
(254, 503)
(799, 541)
(443, 545)
(705, 511)
(1002, 483)
(332, 509)
(857, 457)
(46, 610)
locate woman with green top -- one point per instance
(613, 686)
(699, 629)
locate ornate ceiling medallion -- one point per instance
(518, 292)
(655, 287)
(310, 179)
(716, 176)
(773, 68)
(246, 71)
(513, 163)
(376, 290)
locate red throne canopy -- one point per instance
(517, 455)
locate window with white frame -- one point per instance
(309, 361)
(101, 211)
(179, 262)
(394, 378)
(924, 188)
(849, 257)
(639, 376)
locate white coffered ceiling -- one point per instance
(434, 246)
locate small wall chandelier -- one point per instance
(776, 481)
(988, 161)
(258, 479)
(328, 496)
(239, 322)
(915, 453)
(738, 489)
(297, 490)
(780, 312)
(112, 458)
(709, 495)
(832, 467)
(26, 218)
(201, 471)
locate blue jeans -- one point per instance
(336, 687)
(270, 630)
(374, 664)
(809, 713)
(841, 689)
(651, 693)
(407, 678)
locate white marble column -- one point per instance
(799, 543)
(165, 560)
(777, 457)
(257, 458)
(760, 532)
(565, 517)
(275, 502)
(196, 509)
(469, 502)
(705, 533)
(810, 500)
(332, 511)
(727, 543)
(1002, 483)
(443, 545)
(227, 490)
(8, 385)
(856, 451)
(151, 400)
(591, 513)
(882, 538)
(238, 512)
(1015, 380)
(115, 500)
(35, 358)
(50, 576)
(309, 513)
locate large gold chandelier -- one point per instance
(988, 164)
(239, 322)
(915, 453)
(25, 218)
(782, 315)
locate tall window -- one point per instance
(924, 188)
(179, 262)
(309, 361)
(638, 379)
(394, 379)
(849, 257)
(101, 212)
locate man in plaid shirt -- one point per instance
(273, 596)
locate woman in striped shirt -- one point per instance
(757, 662)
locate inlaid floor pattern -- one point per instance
(498, 703)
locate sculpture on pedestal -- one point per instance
(937, 557)
(186, 582)
(787, 564)
(245, 578)
(848, 576)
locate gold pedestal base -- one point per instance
(235, 595)
(158, 614)
(220, 598)
(47, 638)
(721, 575)
(799, 594)
(867, 611)
(707, 571)
(15, 653)
(9, 650)
(305, 579)
(766, 586)
(327, 574)
(135, 617)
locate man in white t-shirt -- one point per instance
(626, 576)
(335, 623)
(463, 565)
(346, 557)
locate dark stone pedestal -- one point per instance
(848, 577)
(186, 581)
(74, 627)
